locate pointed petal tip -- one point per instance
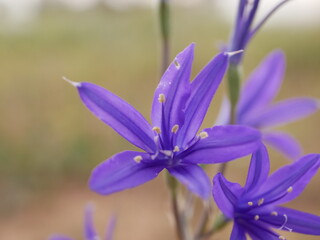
(75, 84)
(230, 54)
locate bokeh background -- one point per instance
(49, 142)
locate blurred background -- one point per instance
(49, 142)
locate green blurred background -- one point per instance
(49, 142)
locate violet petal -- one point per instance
(237, 233)
(226, 194)
(118, 114)
(194, 178)
(203, 88)
(224, 143)
(175, 86)
(284, 143)
(285, 112)
(122, 171)
(258, 170)
(262, 85)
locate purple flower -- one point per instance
(243, 30)
(254, 207)
(256, 109)
(89, 229)
(171, 142)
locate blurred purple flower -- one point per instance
(255, 107)
(243, 30)
(253, 208)
(89, 229)
(172, 142)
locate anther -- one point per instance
(260, 202)
(137, 159)
(282, 237)
(274, 213)
(156, 129)
(250, 203)
(175, 128)
(176, 149)
(203, 135)
(289, 190)
(161, 98)
(256, 217)
(177, 64)
(168, 153)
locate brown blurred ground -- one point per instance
(49, 142)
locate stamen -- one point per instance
(175, 128)
(233, 53)
(289, 190)
(176, 149)
(250, 203)
(161, 98)
(203, 135)
(260, 202)
(176, 63)
(282, 238)
(137, 159)
(256, 217)
(157, 129)
(274, 213)
(284, 224)
(168, 153)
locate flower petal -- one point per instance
(203, 88)
(175, 86)
(89, 229)
(262, 85)
(285, 112)
(284, 143)
(226, 194)
(289, 181)
(59, 237)
(118, 114)
(111, 228)
(237, 233)
(224, 143)
(121, 171)
(194, 178)
(300, 222)
(258, 170)
(258, 231)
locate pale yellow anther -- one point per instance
(177, 64)
(156, 129)
(260, 202)
(176, 149)
(282, 237)
(161, 98)
(137, 159)
(175, 128)
(256, 217)
(289, 190)
(274, 213)
(250, 203)
(203, 135)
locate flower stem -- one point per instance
(234, 80)
(165, 33)
(220, 222)
(178, 216)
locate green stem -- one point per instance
(234, 81)
(220, 222)
(178, 216)
(164, 14)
